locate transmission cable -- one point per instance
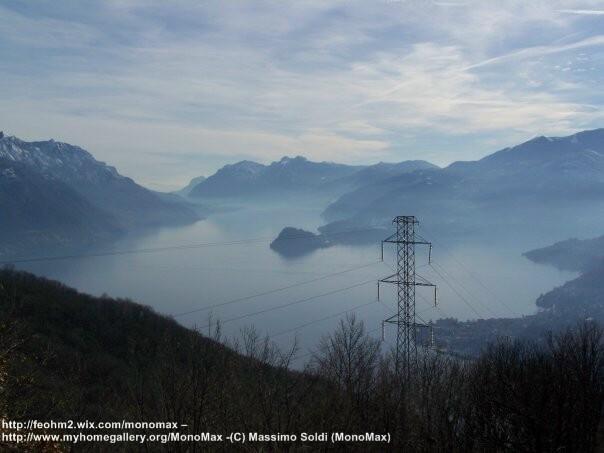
(295, 329)
(475, 277)
(476, 299)
(306, 299)
(457, 292)
(168, 248)
(276, 290)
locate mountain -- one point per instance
(247, 178)
(129, 204)
(55, 193)
(230, 180)
(37, 209)
(297, 174)
(385, 170)
(567, 167)
(526, 181)
(185, 191)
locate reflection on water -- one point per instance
(475, 280)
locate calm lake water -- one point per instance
(475, 279)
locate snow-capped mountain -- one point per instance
(59, 193)
(55, 158)
(129, 204)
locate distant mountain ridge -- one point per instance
(297, 174)
(523, 180)
(247, 178)
(60, 193)
(384, 170)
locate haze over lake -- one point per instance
(483, 278)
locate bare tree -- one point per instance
(349, 359)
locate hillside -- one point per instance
(571, 254)
(68, 356)
(578, 300)
(583, 296)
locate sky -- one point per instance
(169, 90)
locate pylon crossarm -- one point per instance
(422, 243)
(402, 282)
(396, 241)
(388, 239)
(385, 280)
(422, 281)
(392, 319)
(389, 279)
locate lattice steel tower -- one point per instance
(406, 280)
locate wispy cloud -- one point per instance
(539, 51)
(582, 12)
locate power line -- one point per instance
(470, 294)
(259, 270)
(168, 248)
(369, 332)
(306, 299)
(476, 299)
(457, 292)
(475, 278)
(272, 291)
(431, 307)
(295, 329)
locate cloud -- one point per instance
(349, 81)
(582, 12)
(538, 51)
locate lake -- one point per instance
(475, 279)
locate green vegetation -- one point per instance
(66, 355)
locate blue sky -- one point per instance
(170, 90)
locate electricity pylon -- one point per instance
(406, 280)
